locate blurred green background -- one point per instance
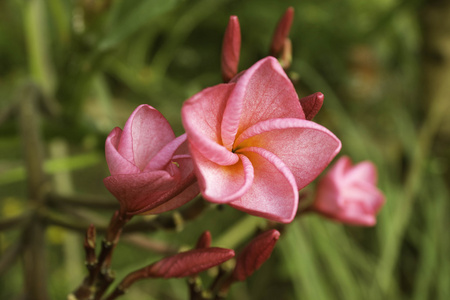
(383, 66)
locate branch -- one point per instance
(14, 222)
(93, 202)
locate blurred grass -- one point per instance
(98, 60)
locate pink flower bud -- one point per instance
(190, 262)
(311, 105)
(179, 265)
(255, 254)
(231, 49)
(282, 32)
(204, 241)
(151, 170)
(349, 194)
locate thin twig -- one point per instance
(10, 255)
(165, 221)
(14, 222)
(34, 254)
(93, 202)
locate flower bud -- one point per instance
(231, 48)
(151, 169)
(282, 32)
(180, 265)
(204, 241)
(311, 105)
(255, 254)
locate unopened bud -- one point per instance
(204, 241)
(180, 265)
(231, 48)
(255, 254)
(311, 105)
(282, 32)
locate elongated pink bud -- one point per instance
(255, 254)
(189, 263)
(204, 241)
(282, 32)
(231, 48)
(179, 265)
(311, 105)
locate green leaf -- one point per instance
(130, 15)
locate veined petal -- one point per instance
(117, 164)
(304, 146)
(202, 115)
(164, 156)
(263, 92)
(143, 191)
(184, 197)
(144, 134)
(222, 184)
(187, 186)
(274, 193)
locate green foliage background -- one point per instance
(95, 61)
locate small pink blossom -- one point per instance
(349, 194)
(231, 48)
(251, 145)
(151, 170)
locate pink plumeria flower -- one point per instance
(251, 145)
(151, 170)
(349, 194)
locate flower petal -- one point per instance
(364, 171)
(186, 195)
(274, 193)
(140, 192)
(263, 92)
(164, 156)
(222, 184)
(188, 190)
(365, 193)
(202, 116)
(144, 134)
(355, 214)
(117, 164)
(304, 146)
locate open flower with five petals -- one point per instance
(251, 145)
